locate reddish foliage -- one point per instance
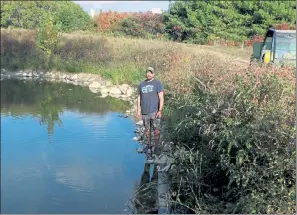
(256, 38)
(106, 20)
(284, 26)
(151, 23)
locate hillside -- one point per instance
(117, 58)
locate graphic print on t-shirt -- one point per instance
(149, 98)
(147, 89)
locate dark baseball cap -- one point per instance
(150, 69)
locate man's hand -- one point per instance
(161, 98)
(138, 114)
(159, 114)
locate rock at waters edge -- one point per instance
(139, 123)
(95, 87)
(114, 90)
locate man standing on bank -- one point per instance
(150, 102)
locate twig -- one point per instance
(197, 79)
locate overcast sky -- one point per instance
(124, 6)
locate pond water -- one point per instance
(65, 150)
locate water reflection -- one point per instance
(48, 101)
(90, 168)
(50, 114)
(146, 194)
(92, 165)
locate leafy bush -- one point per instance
(87, 48)
(67, 15)
(105, 20)
(18, 50)
(70, 17)
(282, 26)
(141, 24)
(235, 149)
(130, 27)
(47, 37)
(253, 40)
(202, 21)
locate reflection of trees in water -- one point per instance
(50, 114)
(47, 101)
(146, 193)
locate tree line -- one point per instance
(198, 22)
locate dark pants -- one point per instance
(150, 123)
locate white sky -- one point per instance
(124, 6)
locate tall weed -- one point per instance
(235, 150)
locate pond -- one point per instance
(65, 150)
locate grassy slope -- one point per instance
(117, 58)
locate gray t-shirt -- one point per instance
(149, 99)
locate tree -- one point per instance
(25, 14)
(47, 37)
(67, 15)
(71, 17)
(201, 21)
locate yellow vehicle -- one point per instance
(279, 47)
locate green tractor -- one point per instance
(279, 47)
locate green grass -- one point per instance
(125, 74)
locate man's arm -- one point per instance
(161, 98)
(161, 104)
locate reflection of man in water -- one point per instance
(146, 196)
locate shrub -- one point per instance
(235, 150)
(199, 21)
(254, 39)
(84, 48)
(19, 51)
(260, 38)
(285, 26)
(70, 17)
(142, 24)
(105, 20)
(67, 15)
(130, 27)
(47, 37)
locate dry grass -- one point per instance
(179, 66)
(118, 58)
